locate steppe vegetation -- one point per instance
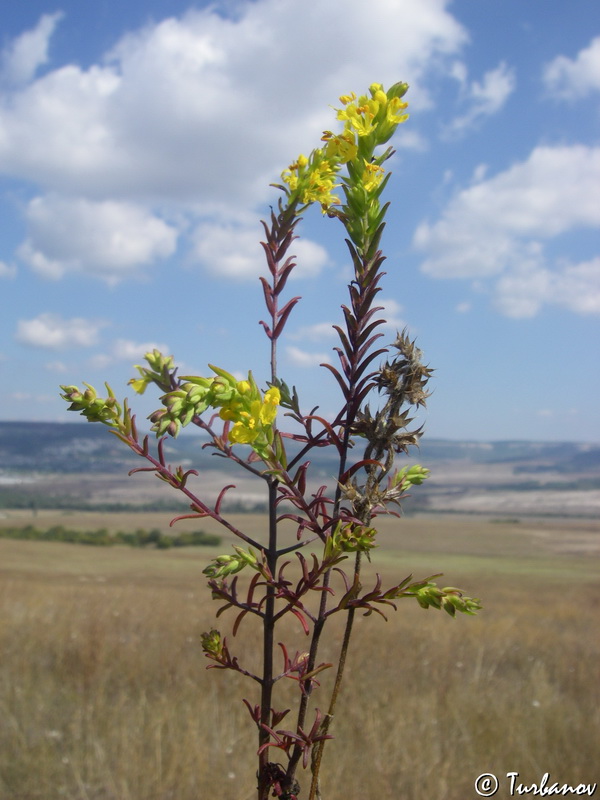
(104, 695)
(102, 537)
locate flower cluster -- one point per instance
(225, 565)
(350, 537)
(252, 416)
(159, 371)
(238, 402)
(369, 122)
(312, 180)
(450, 599)
(92, 407)
(378, 115)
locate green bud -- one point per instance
(351, 538)
(212, 643)
(225, 565)
(410, 476)
(397, 90)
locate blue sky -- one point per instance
(138, 141)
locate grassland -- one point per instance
(104, 694)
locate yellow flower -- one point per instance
(313, 180)
(244, 432)
(379, 95)
(140, 384)
(231, 411)
(378, 114)
(268, 412)
(320, 183)
(252, 417)
(341, 147)
(372, 176)
(393, 116)
(359, 118)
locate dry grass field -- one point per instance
(104, 693)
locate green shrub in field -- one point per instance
(103, 538)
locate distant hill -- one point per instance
(76, 464)
(60, 446)
(73, 446)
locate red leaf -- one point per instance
(303, 622)
(339, 379)
(221, 496)
(355, 467)
(283, 315)
(268, 295)
(267, 329)
(284, 274)
(238, 620)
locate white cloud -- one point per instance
(552, 192)
(21, 59)
(209, 107)
(126, 350)
(315, 333)
(525, 287)
(483, 99)
(577, 287)
(229, 251)
(391, 314)
(196, 115)
(575, 78)
(107, 239)
(7, 270)
(58, 367)
(52, 332)
(311, 258)
(324, 331)
(499, 227)
(234, 252)
(302, 358)
(523, 291)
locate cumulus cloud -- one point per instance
(22, 58)
(196, 115)
(575, 78)
(483, 99)
(552, 192)
(7, 270)
(107, 239)
(58, 367)
(500, 227)
(391, 313)
(228, 251)
(524, 290)
(314, 333)
(324, 332)
(235, 252)
(206, 107)
(52, 332)
(320, 331)
(126, 350)
(303, 358)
